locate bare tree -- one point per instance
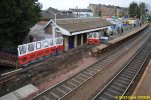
(143, 8)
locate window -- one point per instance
(89, 35)
(22, 49)
(45, 43)
(31, 47)
(38, 45)
(51, 42)
(94, 35)
(59, 41)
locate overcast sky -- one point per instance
(66, 4)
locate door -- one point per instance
(84, 38)
(71, 42)
(78, 39)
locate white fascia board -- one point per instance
(49, 23)
(64, 31)
(86, 31)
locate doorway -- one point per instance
(84, 38)
(71, 42)
(78, 39)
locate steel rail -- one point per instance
(114, 79)
(72, 77)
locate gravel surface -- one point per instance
(84, 94)
(91, 87)
(66, 73)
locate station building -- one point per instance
(75, 30)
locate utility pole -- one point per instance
(53, 30)
(77, 11)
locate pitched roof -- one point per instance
(46, 15)
(38, 29)
(53, 10)
(82, 24)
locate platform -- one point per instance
(20, 93)
(144, 86)
(116, 39)
(132, 32)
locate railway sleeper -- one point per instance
(101, 98)
(91, 71)
(94, 69)
(108, 95)
(132, 68)
(127, 75)
(97, 67)
(69, 85)
(87, 74)
(129, 72)
(76, 81)
(48, 95)
(122, 81)
(53, 95)
(105, 63)
(79, 80)
(100, 64)
(136, 63)
(73, 84)
(118, 84)
(64, 89)
(44, 98)
(84, 76)
(57, 93)
(113, 92)
(116, 88)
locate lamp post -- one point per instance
(55, 14)
(53, 28)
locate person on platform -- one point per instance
(118, 30)
(140, 22)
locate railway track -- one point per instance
(6, 78)
(6, 75)
(62, 89)
(120, 84)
